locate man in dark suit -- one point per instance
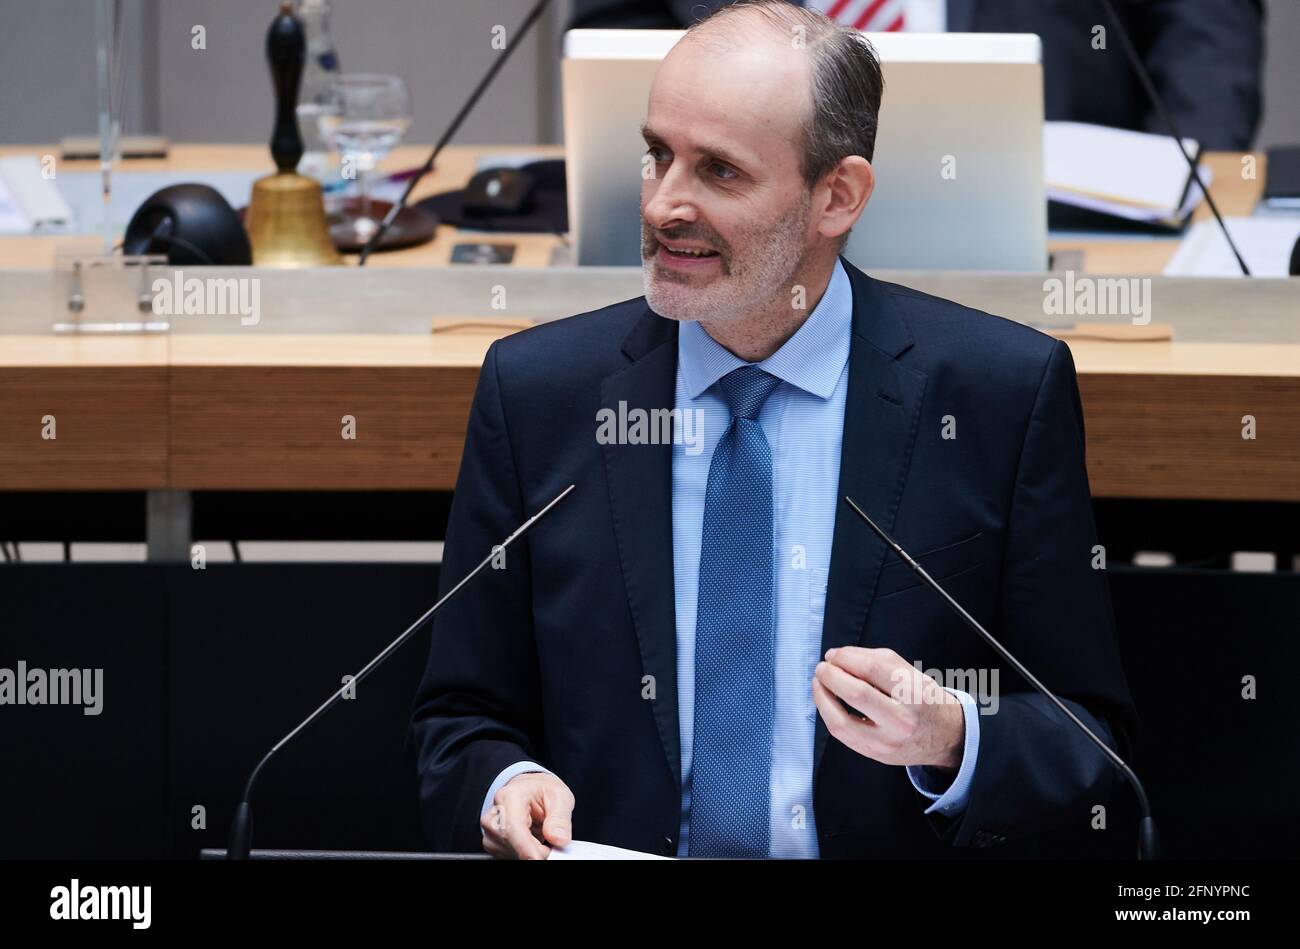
(1204, 56)
(701, 651)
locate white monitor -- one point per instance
(958, 161)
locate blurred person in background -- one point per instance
(1205, 56)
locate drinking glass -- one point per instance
(365, 117)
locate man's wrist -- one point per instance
(948, 792)
(951, 759)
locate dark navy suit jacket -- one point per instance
(547, 660)
(1205, 56)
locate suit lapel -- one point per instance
(880, 422)
(640, 495)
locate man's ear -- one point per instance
(847, 189)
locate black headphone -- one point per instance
(190, 223)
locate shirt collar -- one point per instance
(812, 359)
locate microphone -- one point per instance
(1126, 41)
(486, 81)
(1293, 269)
(1148, 839)
(241, 826)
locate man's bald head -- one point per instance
(843, 83)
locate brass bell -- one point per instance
(286, 216)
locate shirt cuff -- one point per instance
(522, 767)
(929, 781)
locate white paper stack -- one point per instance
(1132, 175)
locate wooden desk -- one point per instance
(455, 167)
(209, 411)
(196, 412)
(1236, 196)
(248, 415)
(1165, 420)
(108, 399)
(229, 412)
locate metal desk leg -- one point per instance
(167, 528)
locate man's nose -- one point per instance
(669, 199)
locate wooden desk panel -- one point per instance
(108, 396)
(199, 412)
(110, 427)
(280, 427)
(265, 412)
(1163, 419)
(1175, 436)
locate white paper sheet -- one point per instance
(1265, 243)
(585, 850)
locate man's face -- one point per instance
(724, 131)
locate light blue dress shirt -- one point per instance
(803, 420)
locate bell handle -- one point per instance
(286, 49)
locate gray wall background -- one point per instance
(223, 93)
(440, 47)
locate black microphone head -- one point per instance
(190, 223)
(1294, 269)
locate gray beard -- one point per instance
(761, 272)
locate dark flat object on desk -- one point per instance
(544, 209)
(1282, 178)
(413, 226)
(483, 253)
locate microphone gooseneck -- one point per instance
(1148, 838)
(472, 101)
(241, 827)
(1126, 41)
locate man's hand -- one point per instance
(906, 717)
(528, 812)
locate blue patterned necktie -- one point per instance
(734, 632)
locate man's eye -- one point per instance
(722, 172)
(658, 153)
